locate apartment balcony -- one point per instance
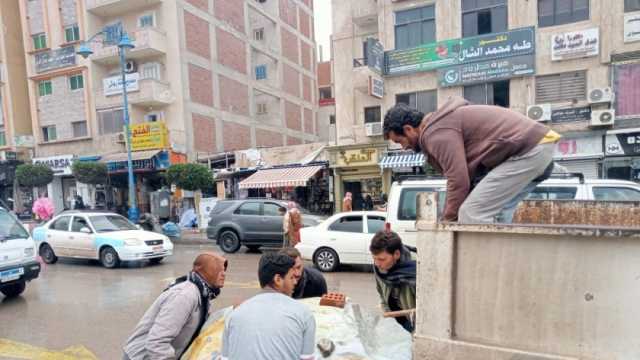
(364, 12)
(150, 93)
(108, 8)
(149, 42)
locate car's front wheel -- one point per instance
(13, 290)
(109, 258)
(229, 241)
(47, 254)
(156, 261)
(326, 260)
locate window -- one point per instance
(78, 223)
(332, 119)
(615, 194)
(425, 101)
(39, 41)
(553, 193)
(271, 209)
(626, 78)
(221, 206)
(62, 224)
(45, 88)
(558, 12)
(49, 133)
(415, 27)
(351, 224)
(483, 17)
(631, 5)
(258, 34)
(150, 71)
(261, 72)
(375, 224)
(3, 138)
(325, 93)
(372, 114)
(79, 129)
(249, 208)
(76, 82)
(561, 87)
(408, 198)
(146, 20)
(110, 121)
(72, 33)
(496, 93)
(261, 108)
(153, 117)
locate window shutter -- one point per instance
(561, 87)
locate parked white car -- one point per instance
(103, 236)
(343, 238)
(18, 263)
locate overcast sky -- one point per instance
(322, 12)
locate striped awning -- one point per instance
(402, 160)
(280, 177)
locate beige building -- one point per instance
(570, 63)
(326, 103)
(219, 75)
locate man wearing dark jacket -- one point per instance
(310, 282)
(491, 156)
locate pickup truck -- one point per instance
(18, 262)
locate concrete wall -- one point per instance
(525, 292)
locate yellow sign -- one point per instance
(358, 157)
(149, 136)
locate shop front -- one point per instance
(356, 170)
(63, 189)
(400, 163)
(7, 182)
(581, 154)
(622, 151)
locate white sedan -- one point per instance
(343, 238)
(107, 237)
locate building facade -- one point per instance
(569, 63)
(326, 103)
(217, 75)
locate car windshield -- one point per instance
(10, 227)
(107, 223)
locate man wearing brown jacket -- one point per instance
(491, 156)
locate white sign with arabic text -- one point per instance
(632, 27)
(113, 85)
(575, 44)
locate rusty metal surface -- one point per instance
(570, 212)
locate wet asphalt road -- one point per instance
(80, 303)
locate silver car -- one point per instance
(251, 222)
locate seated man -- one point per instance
(395, 274)
(271, 325)
(310, 282)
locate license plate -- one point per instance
(158, 248)
(10, 275)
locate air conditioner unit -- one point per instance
(603, 117)
(373, 129)
(121, 138)
(130, 66)
(600, 95)
(540, 112)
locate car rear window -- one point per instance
(221, 206)
(603, 193)
(407, 208)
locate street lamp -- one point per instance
(123, 45)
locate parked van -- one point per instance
(401, 209)
(18, 263)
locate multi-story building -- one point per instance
(15, 117)
(326, 103)
(574, 64)
(218, 75)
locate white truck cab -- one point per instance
(18, 262)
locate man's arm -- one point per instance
(309, 338)
(447, 147)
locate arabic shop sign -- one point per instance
(358, 157)
(623, 144)
(113, 85)
(375, 55)
(575, 44)
(461, 51)
(487, 71)
(376, 87)
(60, 165)
(55, 59)
(569, 115)
(149, 136)
(631, 28)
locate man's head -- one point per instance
(211, 267)
(386, 249)
(294, 254)
(276, 271)
(401, 125)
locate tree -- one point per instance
(33, 175)
(90, 172)
(190, 177)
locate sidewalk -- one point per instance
(194, 237)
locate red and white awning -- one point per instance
(282, 177)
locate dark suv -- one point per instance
(251, 222)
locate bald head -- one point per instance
(211, 267)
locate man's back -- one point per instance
(270, 325)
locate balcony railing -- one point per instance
(117, 7)
(150, 93)
(327, 102)
(149, 42)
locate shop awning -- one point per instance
(402, 160)
(135, 155)
(280, 177)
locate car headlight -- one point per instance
(29, 252)
(133, 242)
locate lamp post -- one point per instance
(124, 44)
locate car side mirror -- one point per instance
(85, 230)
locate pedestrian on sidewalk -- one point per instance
(491, 156)
(271, 325)
(347, 202)
(309, 282)
(291, 224)
(174, 320)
